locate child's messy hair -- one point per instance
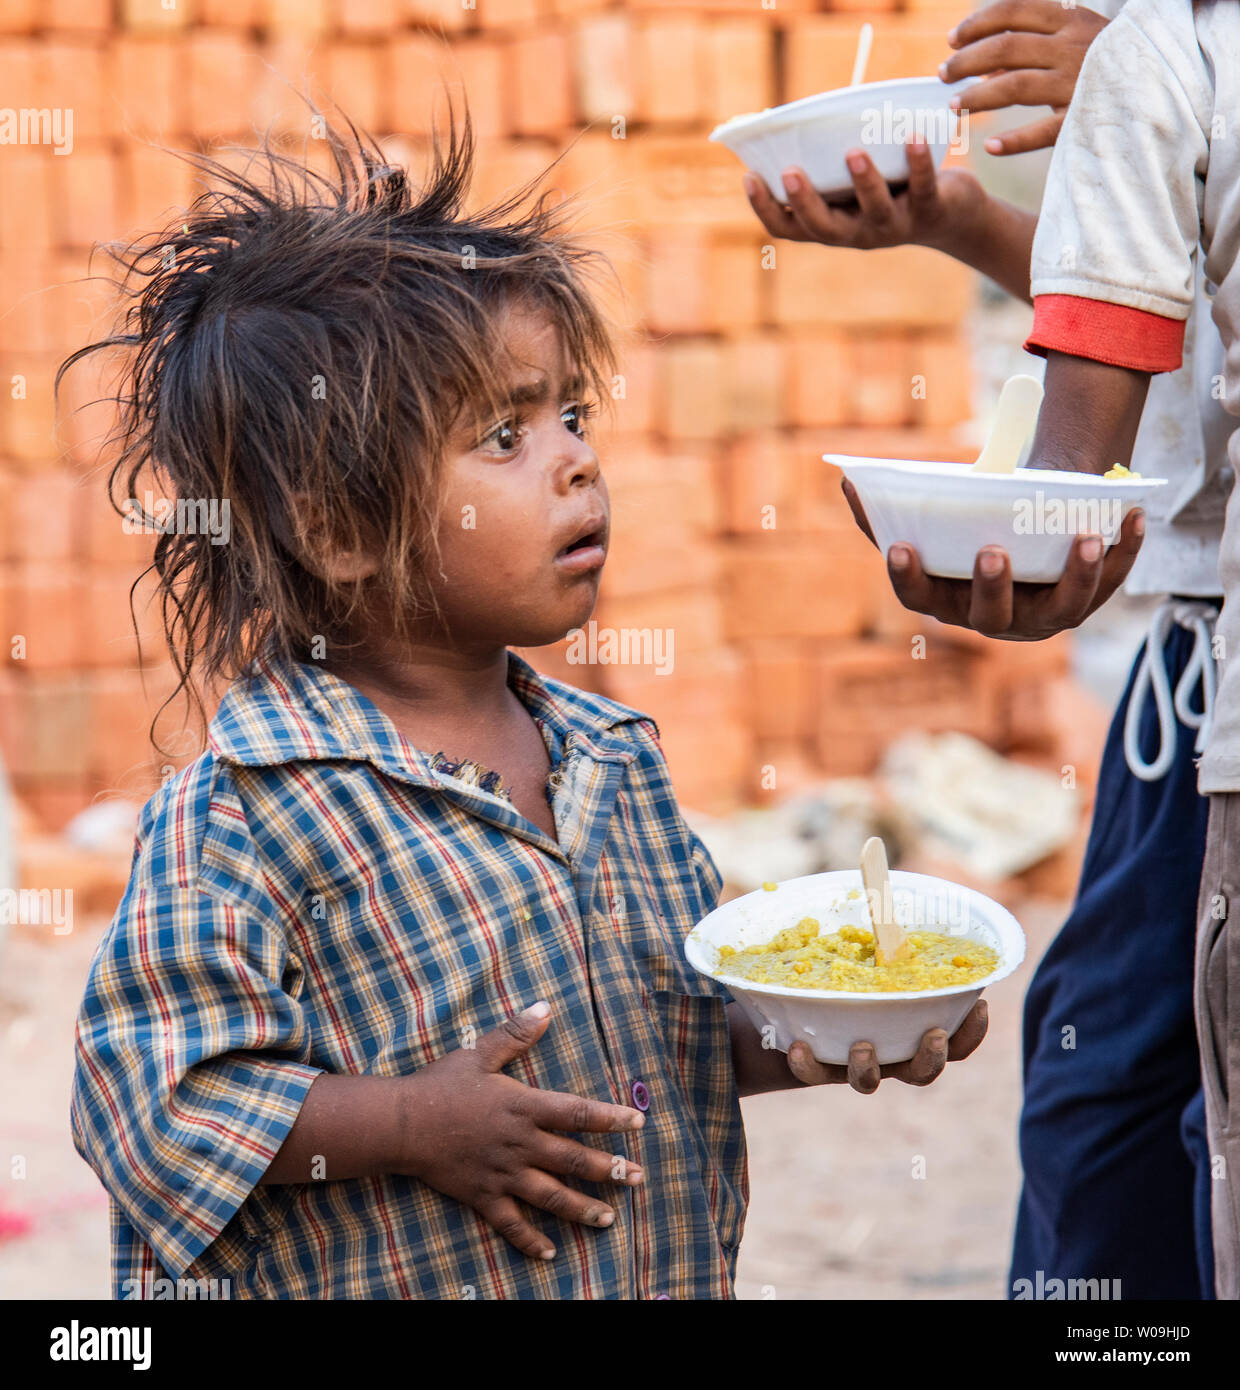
(300, 344)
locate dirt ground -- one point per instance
(836, 1210)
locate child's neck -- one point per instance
(431, 690)
(459, 703)
(428, 678)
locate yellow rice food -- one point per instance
(844, 959)
(1119, 471)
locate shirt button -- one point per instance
(641, 1096)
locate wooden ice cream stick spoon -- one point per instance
(890, 942)
(864, 42)
(1017, 414)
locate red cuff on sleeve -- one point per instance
(1105, 332)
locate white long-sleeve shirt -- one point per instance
(1142, 200)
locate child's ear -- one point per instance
(323, 553)
(345, 566)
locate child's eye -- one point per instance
(575, 417)
(504, 437)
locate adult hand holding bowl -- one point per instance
(815, 134)
(1088, 420)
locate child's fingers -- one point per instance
(773, 216)
(808, 1070)
(513, 1037)
(569, 1159)
(504, 1217)
(967, 1038)
(864, 1073)
(1037, 135)
(578, 1114)
(548, 1193)
(858, 511)
(1028, 16)
(927, 1064)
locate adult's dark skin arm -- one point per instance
(1088, 423)
(1030, 53)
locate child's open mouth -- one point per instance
(586, 551)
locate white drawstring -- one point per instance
(1196, 617)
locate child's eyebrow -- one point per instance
(526, 393)
(535, 392)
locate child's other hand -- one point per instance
(488, 1140)
(863, 1072)
(923, 214)
(1030, 52)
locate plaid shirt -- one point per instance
(313, 894)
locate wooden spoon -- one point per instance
(865, 41)
(890, 942)
(1017, 414)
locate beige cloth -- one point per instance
(1218, 1032)
(1141, 199)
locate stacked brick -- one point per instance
(743, 362)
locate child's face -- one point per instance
(524, 531)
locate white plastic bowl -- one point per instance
(815, 132)
(947, 513)
(831, 1020)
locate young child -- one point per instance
(396, 1004)
(1121, 1115)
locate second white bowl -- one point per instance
(947, 513)
(816, 132)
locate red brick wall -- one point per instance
(790, 652)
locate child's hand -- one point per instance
(1034, 49)
(487, 1140)
(923, 214)
(863, 1072)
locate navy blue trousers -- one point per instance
(1112, 1135)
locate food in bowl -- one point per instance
(803, 957)
(831, 1020)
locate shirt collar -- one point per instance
(288, 711)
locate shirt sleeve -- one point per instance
(710, 887)
(188, 1075)
(1112, 268)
